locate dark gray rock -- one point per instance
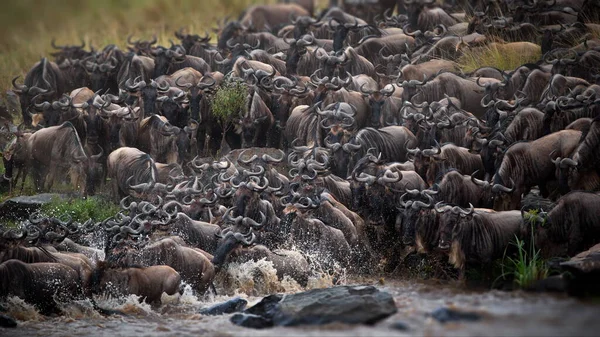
(345, 304)
(233, 305)
(555, 283)
(251, 321)
(583, 273)
(19, 208)
(445, 315)
(401, 326)
(7, 321)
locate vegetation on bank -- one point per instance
(96, 208)
(527, 267)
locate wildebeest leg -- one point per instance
(50, 176)
(39, 173)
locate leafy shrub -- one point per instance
(229, 100)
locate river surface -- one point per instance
(503, 313)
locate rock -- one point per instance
(583, 271)
(251, 321)
(7, 321)
(233, 305)
(445, 315)
(584, 262)
(344, 304)
(555, 283)
(401, 326)
(19, 208)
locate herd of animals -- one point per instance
(359, 137)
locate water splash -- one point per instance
(252, 278)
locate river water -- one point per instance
(503, 313)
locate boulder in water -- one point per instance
(584, 272)
(445, 315)
(7, 321)
(344, 304)
(233, 305)
(19, 208)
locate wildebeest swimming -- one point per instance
(358, 135)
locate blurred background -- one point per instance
(27, 27)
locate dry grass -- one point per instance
(28, 26)
(502, 56)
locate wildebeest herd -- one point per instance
(360, 137)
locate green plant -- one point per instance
(229, 101)
(527, 267)
(81, 210)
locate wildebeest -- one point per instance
(44, 79)
(530, 164)
(149, 283)
(167, 61)
(390, 141)
(580, 172)
(59, 148)
(450, 156)
(192, 264)
(479, 237)
(39, 283)
(570, 227)
(129, 166)
(467, 91)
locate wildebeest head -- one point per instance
(410, 212)
(27, 95)
(100, 73)
(450, 219)
(72, 52)
(230, 240)
(141, 47)
(174, 107)
(196, 92)
(189, 40)
(340, 32)
(413, 10)
(376, 101)
(147, 92)
(302, 25)
(247, 194)
(232, 30)
(296, 51)
(411, 87)
(333, 64)
(164, 58)
(51, 112)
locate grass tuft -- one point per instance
(81, 210)
(503, 57)
(527, 267)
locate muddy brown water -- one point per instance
(503, 313)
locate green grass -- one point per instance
(81, 210)
(527, 267)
